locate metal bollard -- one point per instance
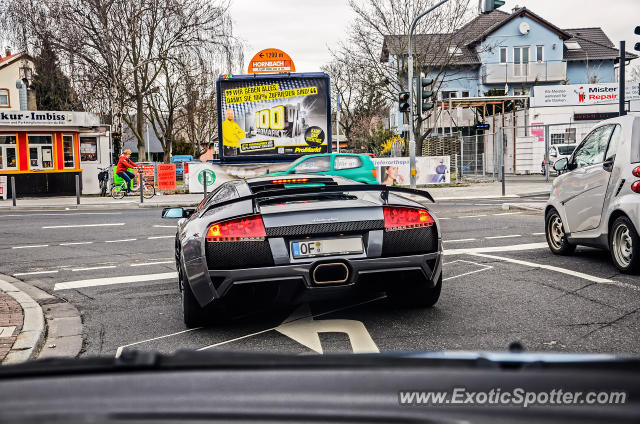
(204, 183)
(13, 190)
(77, 189)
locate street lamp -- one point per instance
(412, 138)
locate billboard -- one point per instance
(279, 117)
(429, 170)
(581, 94)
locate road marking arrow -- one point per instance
(301, 327)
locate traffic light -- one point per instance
(491, 5)
(425, 94)
(403, 102)
(637, 45)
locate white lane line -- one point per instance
(110, 224)
(471, 216)
(30, 246)
(459, 241)
(506, 213)
(160, 237)
(119, 241)
(503, 237)
(153, 263)
(114, 280)
(61, 214)
(537, 234)
(35, 273)
(75, 243)
(443, 219)
(94, 267)
(582, 275)
(165, 226)
(511, 248)
(120, 348)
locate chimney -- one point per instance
(7, 51)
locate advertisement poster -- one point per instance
(274, 116)
(392, 171)
(429, 170)
(433, 170)
(581, 94)
(166, 176)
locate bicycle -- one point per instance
(103, 180)
(119, 191)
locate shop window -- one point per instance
(4, 97)
(88, 149)
(67, 147)
(40, 151)
(8, 157)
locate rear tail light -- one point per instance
(250, 228)
(636, 172)
(374, 172)
(636, 186)
(290, 181)
(405, 218)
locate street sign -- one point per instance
(270, 61)
(482, 126)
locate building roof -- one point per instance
(594, 42)
(595, 45)
(4, 61)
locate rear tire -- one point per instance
(194, 315)
(149, 191)
(556, 237)
(624, 245)
(416, 295)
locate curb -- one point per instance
(30, 338)
(95, 206)
(522, 207)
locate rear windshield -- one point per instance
(566, 150)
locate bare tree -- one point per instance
(117, 50)
(377, 41)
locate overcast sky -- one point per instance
(306, 28)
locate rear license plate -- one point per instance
(340, 246)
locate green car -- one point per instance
(347, 165)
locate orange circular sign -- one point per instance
(270, 61)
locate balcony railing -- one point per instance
(524, 72)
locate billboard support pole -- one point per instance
(621, 77)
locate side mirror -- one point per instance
(171, 213)
(561, 164)
(607, 165)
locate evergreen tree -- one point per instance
(52, 88)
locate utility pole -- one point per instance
(621, 77)
(412, 138)
(338, 122)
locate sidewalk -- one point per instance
(488, 190)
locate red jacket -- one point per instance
(125, 163)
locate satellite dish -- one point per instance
(524, 28)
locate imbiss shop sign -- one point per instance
(581, 94)
(27, 118)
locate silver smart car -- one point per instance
(596, 201)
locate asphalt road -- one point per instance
(501, 285)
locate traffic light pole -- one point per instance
(412, 138)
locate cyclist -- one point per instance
(125, 163)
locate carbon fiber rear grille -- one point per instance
(409, 242)
(238, 254)
(325, 228)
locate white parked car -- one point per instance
(596, 201)
(559, 151)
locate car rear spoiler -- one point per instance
(292, 192)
